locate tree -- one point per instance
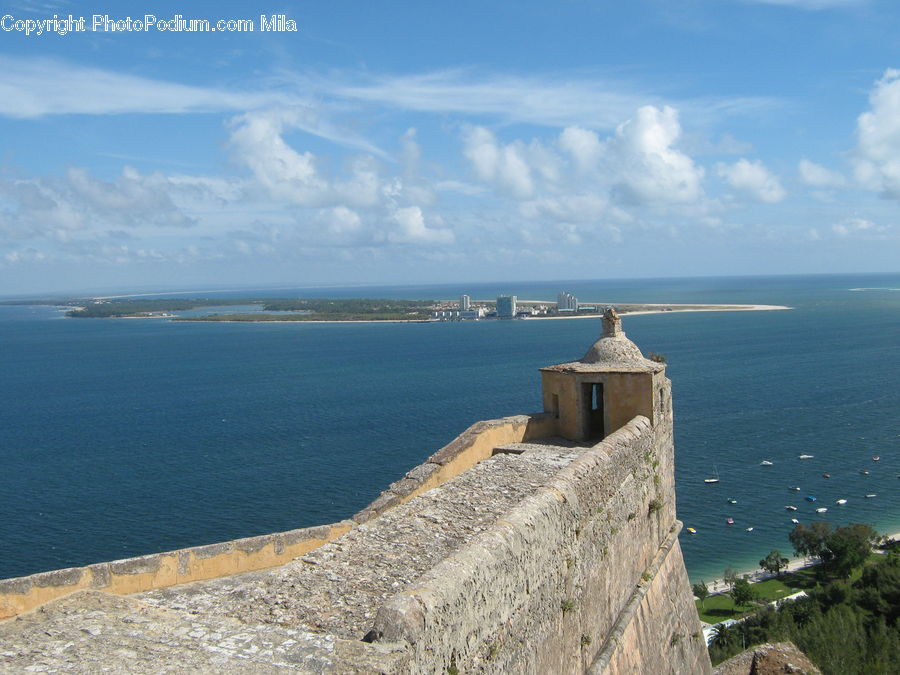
(701, 592)
(774, 562)
(729, 576)
(847, 548)
(742, 592)
(810, 540)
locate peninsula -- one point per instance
(258, 309)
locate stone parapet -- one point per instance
(160, 570)
(475, 444)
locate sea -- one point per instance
(121, 437)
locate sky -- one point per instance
(428, 142)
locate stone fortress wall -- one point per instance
(526, 545)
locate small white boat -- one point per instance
(841, 501)
(729, 521)
(791, 508)
(766, 462)
(749, 529)
(806, 456)
(821, 509)
(864, 472)
(876, 458)
(713, 480)
(871, 496)
(691, 530)
(796, 488)
(732, 500)
(795, 521)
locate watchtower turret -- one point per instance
(606, 388)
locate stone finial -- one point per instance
(612, 324)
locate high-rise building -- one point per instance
(465, 303)
(566, 302)
(506, 306)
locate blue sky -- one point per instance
(391, 141)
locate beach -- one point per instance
(719, 586)
(658, 308)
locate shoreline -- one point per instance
(718, 586)
(663, 309)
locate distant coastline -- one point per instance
(353, 310)
(657, 309)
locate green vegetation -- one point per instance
(841, 550)
(292, 309)
(844, 626)
(774, 562)
(742, 592)
(701, 591)
(93, 309)
(717, 608)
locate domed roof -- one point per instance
(613, 349)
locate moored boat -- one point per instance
(841, 501)
(691, 530)
(806, 456)
(791, 508)
(821, 509)
(810, 498)
(870, 496)
(795, 521)
(766, 462)
(729, 521)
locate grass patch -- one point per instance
(721, 607)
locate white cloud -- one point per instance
(286, 174)
(649, 168)
(858, 226)
(37, 87)
(33, 88)
(583, 145)
(817, 175)
(555, 100)
(754, 180)
(877, 154)
(412, 229)
(504, 165)
(639, 165)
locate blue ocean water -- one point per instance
(124, 437)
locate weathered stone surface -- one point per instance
(18, 585)
(91, 632)
(100, 575)
(253, 544)
(339, 587)
(66, 577)
(141, 565)
(211, 550)
(768, 659)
